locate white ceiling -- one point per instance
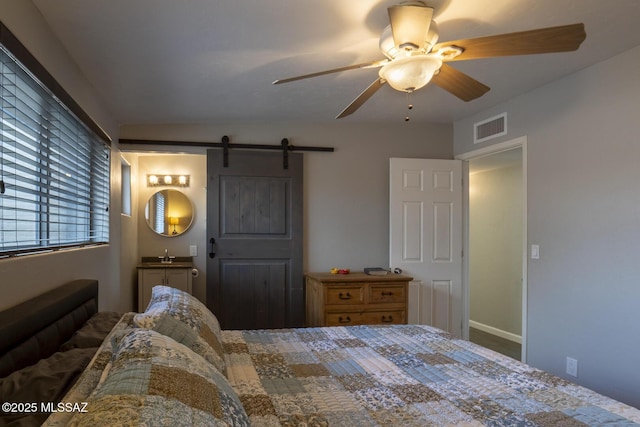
(169, 61)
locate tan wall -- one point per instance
(346, 193)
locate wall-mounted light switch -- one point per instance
(193, 250)
(535, 251)
(572, 366)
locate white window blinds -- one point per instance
(54, 170)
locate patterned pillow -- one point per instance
(181, 316)
(153, 380)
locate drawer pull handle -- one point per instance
(345, 320)
(386, 319)
(387, 293)
(344, 296)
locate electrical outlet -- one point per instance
(572, 367)
(193, 250)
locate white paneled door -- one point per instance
(426, 237)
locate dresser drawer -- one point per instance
(344, 319)
(385, 293)
(353, 294)
(391, 317)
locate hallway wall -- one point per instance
(495, 240)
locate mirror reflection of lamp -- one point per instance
(174, 220)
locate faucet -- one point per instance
(166, 258)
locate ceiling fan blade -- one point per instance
(459, 84)
(410, 24)
(362, 98)
(371, 64)
(544, 40)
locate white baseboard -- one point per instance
(495, 331)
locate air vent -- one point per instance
(491, 128)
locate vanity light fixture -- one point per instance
(156, 180)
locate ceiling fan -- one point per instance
(414, 57)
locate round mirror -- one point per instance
(169, 213)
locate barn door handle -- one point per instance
(212, 253)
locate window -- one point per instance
(54, 168)
(125, 179)
(155, 212)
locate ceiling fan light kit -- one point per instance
(414, 57)
(410, 73)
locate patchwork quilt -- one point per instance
(374, 375)
(403, 375)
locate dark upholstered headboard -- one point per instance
(36, 328)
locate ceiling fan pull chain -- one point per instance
(409, 105)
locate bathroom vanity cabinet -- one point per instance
(176, 275)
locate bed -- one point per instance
(172, 365)
(45, 345)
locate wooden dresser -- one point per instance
(355, 299)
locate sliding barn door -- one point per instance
(426, 236)
(254, 230)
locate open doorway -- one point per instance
(495, 279)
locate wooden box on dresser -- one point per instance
(355, 299)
